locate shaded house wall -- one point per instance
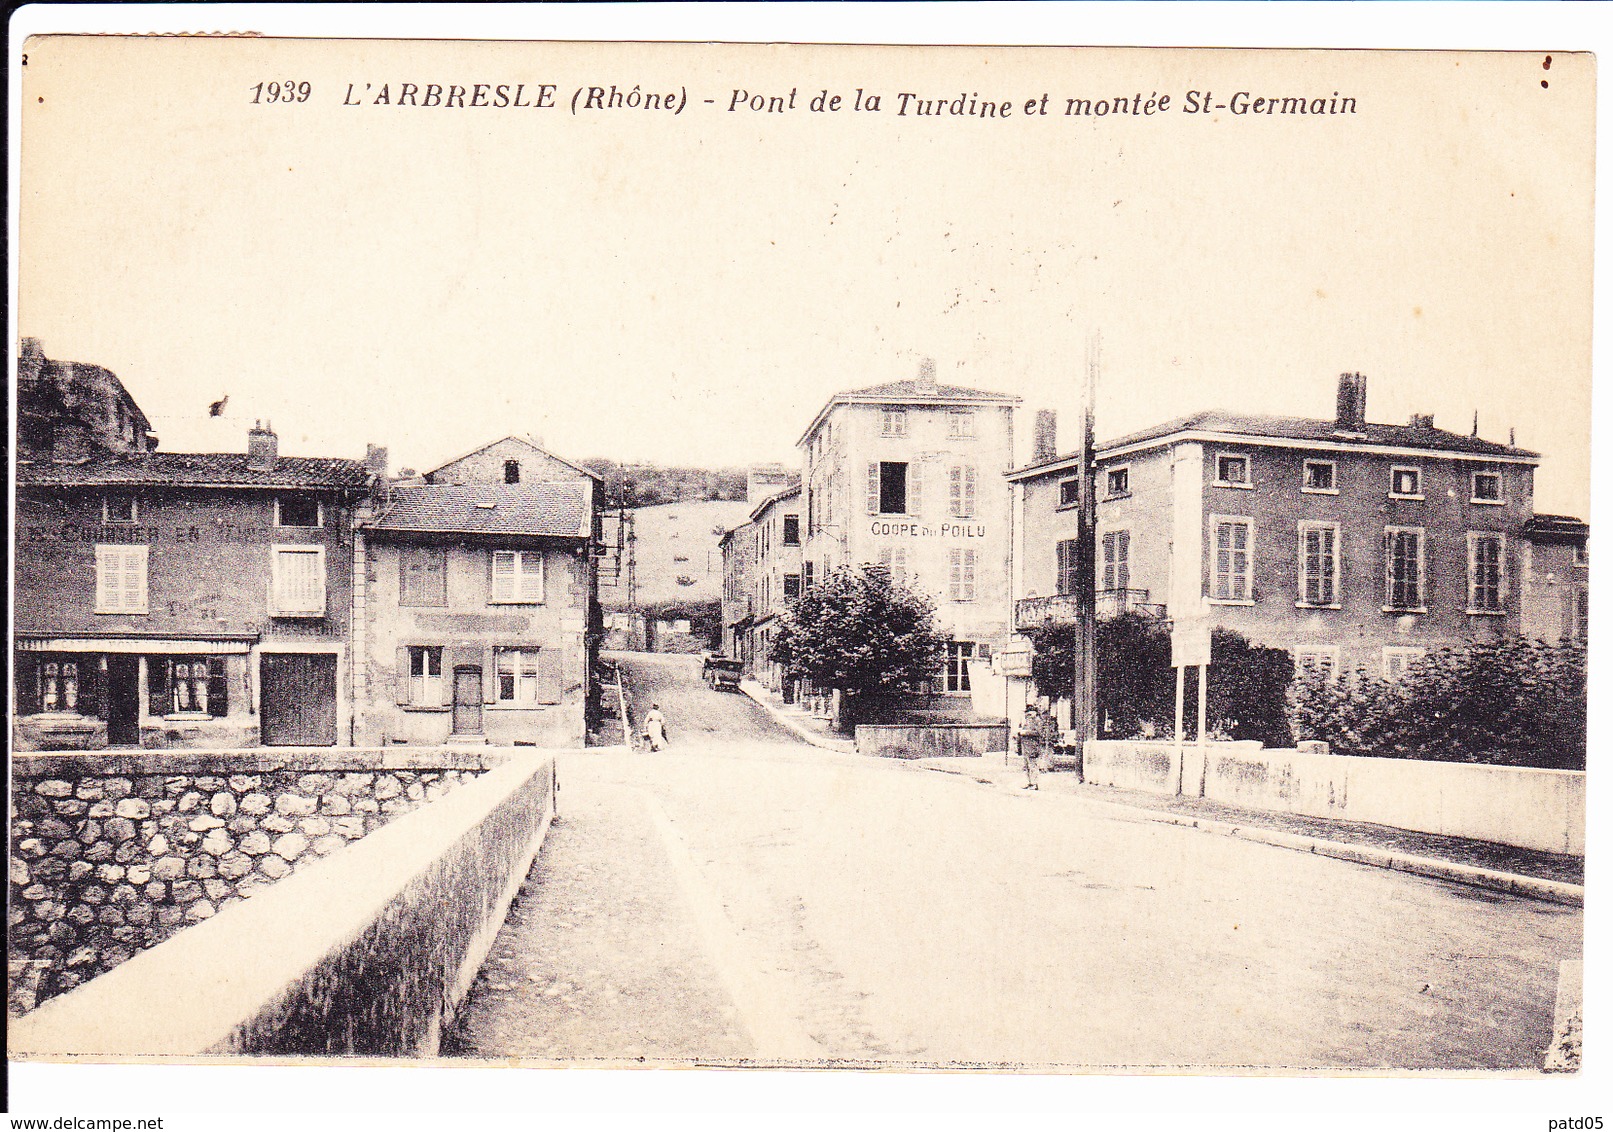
(738, 600)
(468, 629)
(487, 465)
(1556, 584)
(208, 588)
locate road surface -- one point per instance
(743, 897)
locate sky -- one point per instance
(691, 288)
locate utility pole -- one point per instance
(1084, 720)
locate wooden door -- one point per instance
(123, 700)
(298, 698)
(467, 701)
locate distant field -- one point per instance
(677, 555)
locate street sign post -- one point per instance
(1190, 646)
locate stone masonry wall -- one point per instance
(111, 854)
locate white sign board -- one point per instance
(1190, 644)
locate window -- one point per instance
(120, 579)
(806, 575)
(792, 530)
(894, 559)
(961, 582)
(517, 675)
(1582, 555)
(893, 422)
(1117, 482)
(1318, 658)
(1116, 560)
(1232, 471)
(120, 509)
(422, 576)
(1406, 483)
(425, 675)
(1486, 572)
(792, 586)
(188, 685)
(1320, 477)
(58, 684)
(1487, 487)
(1398, 658)
(1234, 553)
(963, 491)
(297, 511)
(512, 471)
(1318, 564)
(956, 676)
(1069, 576)
(1403, 569)
(517, 577)
(961, 424)
(298, 583)
(888, 488)
(1070, 492)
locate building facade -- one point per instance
(1556, 579)
(738, 547)
(774, 580)
(909, 475)
(477, 617)
(1351, 544)
(185, 599)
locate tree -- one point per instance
(859, 632)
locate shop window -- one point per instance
(188, 685)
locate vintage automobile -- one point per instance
(722, 674)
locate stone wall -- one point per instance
(937, 740)
(112, 854)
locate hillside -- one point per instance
(649, 485)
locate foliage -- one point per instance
(648, 485)
(1136, 685)
(704, 617)
(1516, 703)
(858, 631)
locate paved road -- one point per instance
(755, 899)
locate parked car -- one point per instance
(722, 674)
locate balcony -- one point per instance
(1064, 609)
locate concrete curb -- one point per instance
(843, 746)
(1556, 892)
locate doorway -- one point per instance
(122, 701)
(298, 692)
(467, 701)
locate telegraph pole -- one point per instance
(1085, 720)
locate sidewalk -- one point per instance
(807, 727)
(1525, 872)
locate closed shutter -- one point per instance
(915, 487)
(550, 687)
(955, 577)
(218, 688)
(157, 684)
(27, 685)
(956, 494)
(873, 489)
(402, 674)
(489, 677)
(1122, 560)
(530, 586)
(503, 576)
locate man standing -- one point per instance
(1036, 732)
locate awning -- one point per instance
(128, 645)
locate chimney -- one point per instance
(926, 381)
(1352, 404)
(1045, 445)
(375, 460)
(262, 447)
(1422, 422)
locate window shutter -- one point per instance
(915, 487)
(955, 576)
(969, 491)
(873, 488)
(489, 676)
(968, 575)
(27, 684)
(956, 495)
(549, 676)
(401, 682)
(531, 575)
(1122, 560)
(157, 684)
(218, 689)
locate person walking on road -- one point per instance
(1036, 732)
(655, 728)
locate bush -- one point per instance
(1516, 703)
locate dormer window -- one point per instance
(1406, 483)
(512, 471)
(1232, 470)
(120, 508)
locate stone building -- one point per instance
(476, 615)
(773, 580)
(184, 599)
(738, 548)
(910, 475)
(70, 411)
(1349, 543)
(1556, 579)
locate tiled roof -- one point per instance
(930, 392)
(553, 509)
(195, 469)
(1543, 528)
(1305, 429)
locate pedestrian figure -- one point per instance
(1036, 733)
(655, 728)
